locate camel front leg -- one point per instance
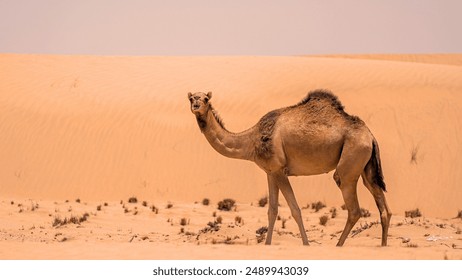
(286, 189)
(273, 191)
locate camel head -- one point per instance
(199, 102)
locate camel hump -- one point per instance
(323, 94)
(326, 95)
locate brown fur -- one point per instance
(312, 137)
(264, 148)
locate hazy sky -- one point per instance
(230, 27)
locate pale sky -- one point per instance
(230, 27)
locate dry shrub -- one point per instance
(263, 201)
(261, 234)
(323, 220)
(238, 220)
(333, 212)
(317, 206)
(365, 213)
(226, 204)
(72, 220)
(459, 215)
(413, 213)
(205, 201)
(132, 200)
(145, 203)
(183, 221)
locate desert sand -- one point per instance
(80, 135)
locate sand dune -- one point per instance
(106, 128)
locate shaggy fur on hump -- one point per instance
(324, 94)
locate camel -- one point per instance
(312, 137)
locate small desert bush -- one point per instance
(261, 230)
(459, 215)
(72, 220)
(132, 200)
(323, 220)
(154, 209)
(365, 213)
(261, 234)
(219, 220)
(183, 221)
(226, 204)
(205, 201)
(77, 200)
(145, 203)
(238, 220)
(283, 223)
(333, 212)
(263, 201)
(317, 206)
(98, 208)
(413, 213)
(169, 205)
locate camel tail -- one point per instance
(374, 167)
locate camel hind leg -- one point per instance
(379, 197)
(351, 164)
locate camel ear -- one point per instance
(209, 95)
(189, 95)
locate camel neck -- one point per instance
(229, 144)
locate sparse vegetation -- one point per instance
(365, 213)
(211, 227)
(105, 204)
(57, 221)
(362, 228)
(261, 234)
(226, 204)
(238, 220)
(154, 209)
(132, 200)
(263, 201)
(343, 207)
(144, 203)
(412, 245)
(317, 206)
(414, 154)
(77, 200)
(333, 212)
(283, 222)
(98, 208)
(183, 222)
(459, 215)
(205, 201)
(219, 219)
(169, 205)
(323, 220)
(413, 213)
